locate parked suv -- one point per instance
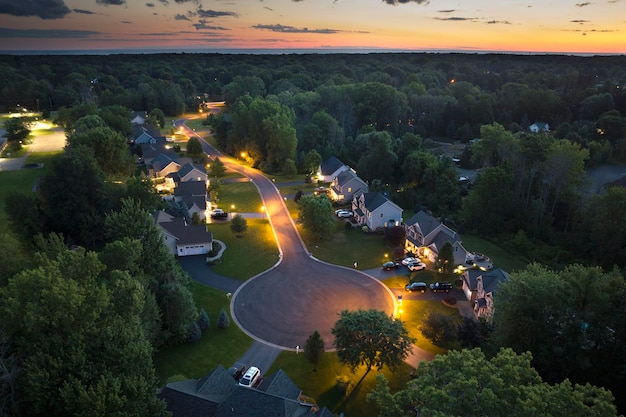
(441, 286)
(416, 286)
(251, 377)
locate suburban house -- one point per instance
(425, 235)
(138, 117)
(479, 288)
(149, 151)
(539, 127)
(219, 395)
(194, 195)
(375, 210)
(330, 168)
(144, 137)
(345, 185)
(190, 172)
(162, 166)
(182, 239)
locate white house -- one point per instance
(190, 172)
(375, 210)
(330, 168)
(539, 127)
(345, 185)
(162, 166)
(182, 239)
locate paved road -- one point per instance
(284, 305)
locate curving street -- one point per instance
(300, 294)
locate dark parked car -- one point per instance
(219, 214)
(237, 370)
(441, 286)
(391, 265)
(416, 286)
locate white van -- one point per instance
(251, 377)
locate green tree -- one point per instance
(316, 215)
(223, 320)
(14, 259)
(83, 334)
(371, 338)
(312, 161)
(314, 349)
(440, 329)
(157, 118)
(109, 149)
(445, 260)
(17, 131)
(238, 225)
(466, 383)
(289, 168)
(217, 168)
(194, 147)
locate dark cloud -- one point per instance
(583, 4)
(150, 4)
(498, 22)
(215, 13)
(203, 25)
(291, 29)
(446, 11)
(579, 21)
(181, 17)
(456, 19)
(111, 2)
(45, 9)
(196, 2)
(268, 8)
(396, 2)
(81, 11)
(46, 33)
(165, 2)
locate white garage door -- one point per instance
(192, 250)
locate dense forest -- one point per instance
(406, 122)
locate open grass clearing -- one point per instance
(324, 385)
(414, 312)
(500, 257)
(240, 197)
(216, 347)
(249, 255)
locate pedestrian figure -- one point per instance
(355, 265)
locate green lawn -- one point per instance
(216, 347)
(501, 258)
(323, 385)
(249, 255)
(242, 195)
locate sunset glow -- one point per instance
(414, 25)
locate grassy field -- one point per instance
(242, 197)
(501, 258)
(324, 385)
(216, 347)
(249, 255)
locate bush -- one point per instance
(193, 334)
(440, 329)
(347, 226)
(203, 320)
(223, 321)
(450, 301)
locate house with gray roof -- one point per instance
(219, 395)
(425, 236)
(330, 168)
(345, 185)
(375, 210)
(183, 239)
(538, 127)
(480, 287)
(162, 166)
(190, 172)
(194, 195)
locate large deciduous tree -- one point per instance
(79, 338)
(109, 149)
(16, 131)
(466, 383)
(316, 215)
(371, 338)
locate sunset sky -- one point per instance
(556, 26)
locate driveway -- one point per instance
(283, 306)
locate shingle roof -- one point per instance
(491, 279)
(187, 234)
(190, 188)
(161, 161)
(374, 200)
(426, 222)
(330, 165)
(187, 168)
(280, 384)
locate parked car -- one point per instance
(441, 286)
(391, 265)
(343, 213)
(416, 286)
(251, 377)
(409, 260)
(237, 370)
(416, 266)
(218, 214)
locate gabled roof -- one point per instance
(199, 201)
(491, 279)
(444, 236)
(280, 384)
(426, 222)
(375, 200)
(190, 188)
(152, 150)
(187, 168)
(161, 162)
(192, 234)
(330, 165)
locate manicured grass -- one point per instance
(216, 347)
(249, 255)
(413, 314)
(500, 258)
(243, 195)
(22, 180)
(324, 388)
(348, 246)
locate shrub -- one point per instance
(203, 320)
(450, 300)
(223, 321)
(193, 334)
